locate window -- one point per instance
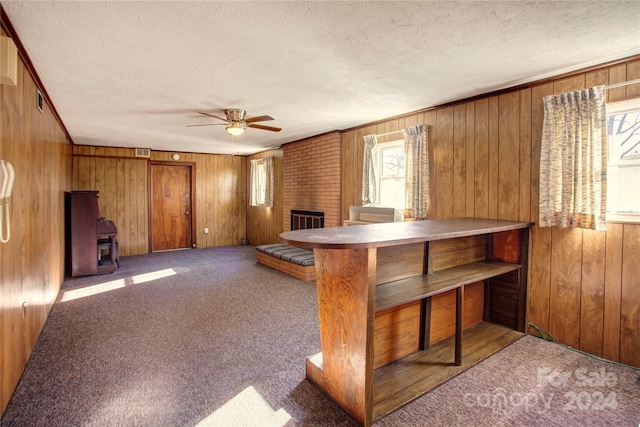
(623, 165)
(262, 181)
(391, 175)
(258, 183)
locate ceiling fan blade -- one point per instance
(211, 115)
(207, 124)
(263, 127)
(258, 119)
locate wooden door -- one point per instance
(171, 218)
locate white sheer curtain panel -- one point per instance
(255, 183)
(369, 178)
(417, 171)
(573, 160)
(268, 187)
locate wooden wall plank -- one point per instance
(592, 295)
(459, 161)
(524, 209)
(481, 158)
(617, 74)
(633, 73)
(494, 156)
(508, 201)
(612, 292)
(630, 293)
(566, 269)
(470, 161)
(539, 299)
(444, 161)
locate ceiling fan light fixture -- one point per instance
(235, 129)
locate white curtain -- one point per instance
(255, 183)
(259, 192)
(268, 187)
(417, 171)
(369, 178)
(573, 160)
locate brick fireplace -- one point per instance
(311, 178)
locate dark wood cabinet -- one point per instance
(92, 239)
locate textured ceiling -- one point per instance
(134, 74)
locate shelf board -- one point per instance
(398, 292)
(404, 380)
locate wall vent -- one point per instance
(143, 152)
(39, 100)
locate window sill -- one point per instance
(623, 219)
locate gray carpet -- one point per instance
(209, 337)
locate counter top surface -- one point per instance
(396, 233)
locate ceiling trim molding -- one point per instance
(7, 26)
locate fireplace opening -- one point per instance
(301, 220)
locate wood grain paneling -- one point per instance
(346, 288)
(443, 311)
(444, 164)
(32, 262)
(459, 161)
(524, 213)
(509, 156)
(470, 158)
(396, 333)
(449, 253)
(612, 292)
(566, 269)
(494, 155)
(630, 296)
(592, 295)
(481, 181)
(123, 183)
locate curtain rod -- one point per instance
(389, 133)
(630, 82)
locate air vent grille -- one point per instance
(143, 152)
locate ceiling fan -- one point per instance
(236, 122)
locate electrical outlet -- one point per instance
(206, 231)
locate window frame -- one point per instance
(379, 178)
(615, 108)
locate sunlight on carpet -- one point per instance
(154, 275)
(92, 290)
(99, 288)
(245, 409)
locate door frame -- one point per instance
(192, 166)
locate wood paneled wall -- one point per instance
(484, 161)
(264, 224)
(32, 262)
(123, 184)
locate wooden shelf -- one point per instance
(398, 267)
(392, 294)
(406, 379)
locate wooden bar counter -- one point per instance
(405, 306)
